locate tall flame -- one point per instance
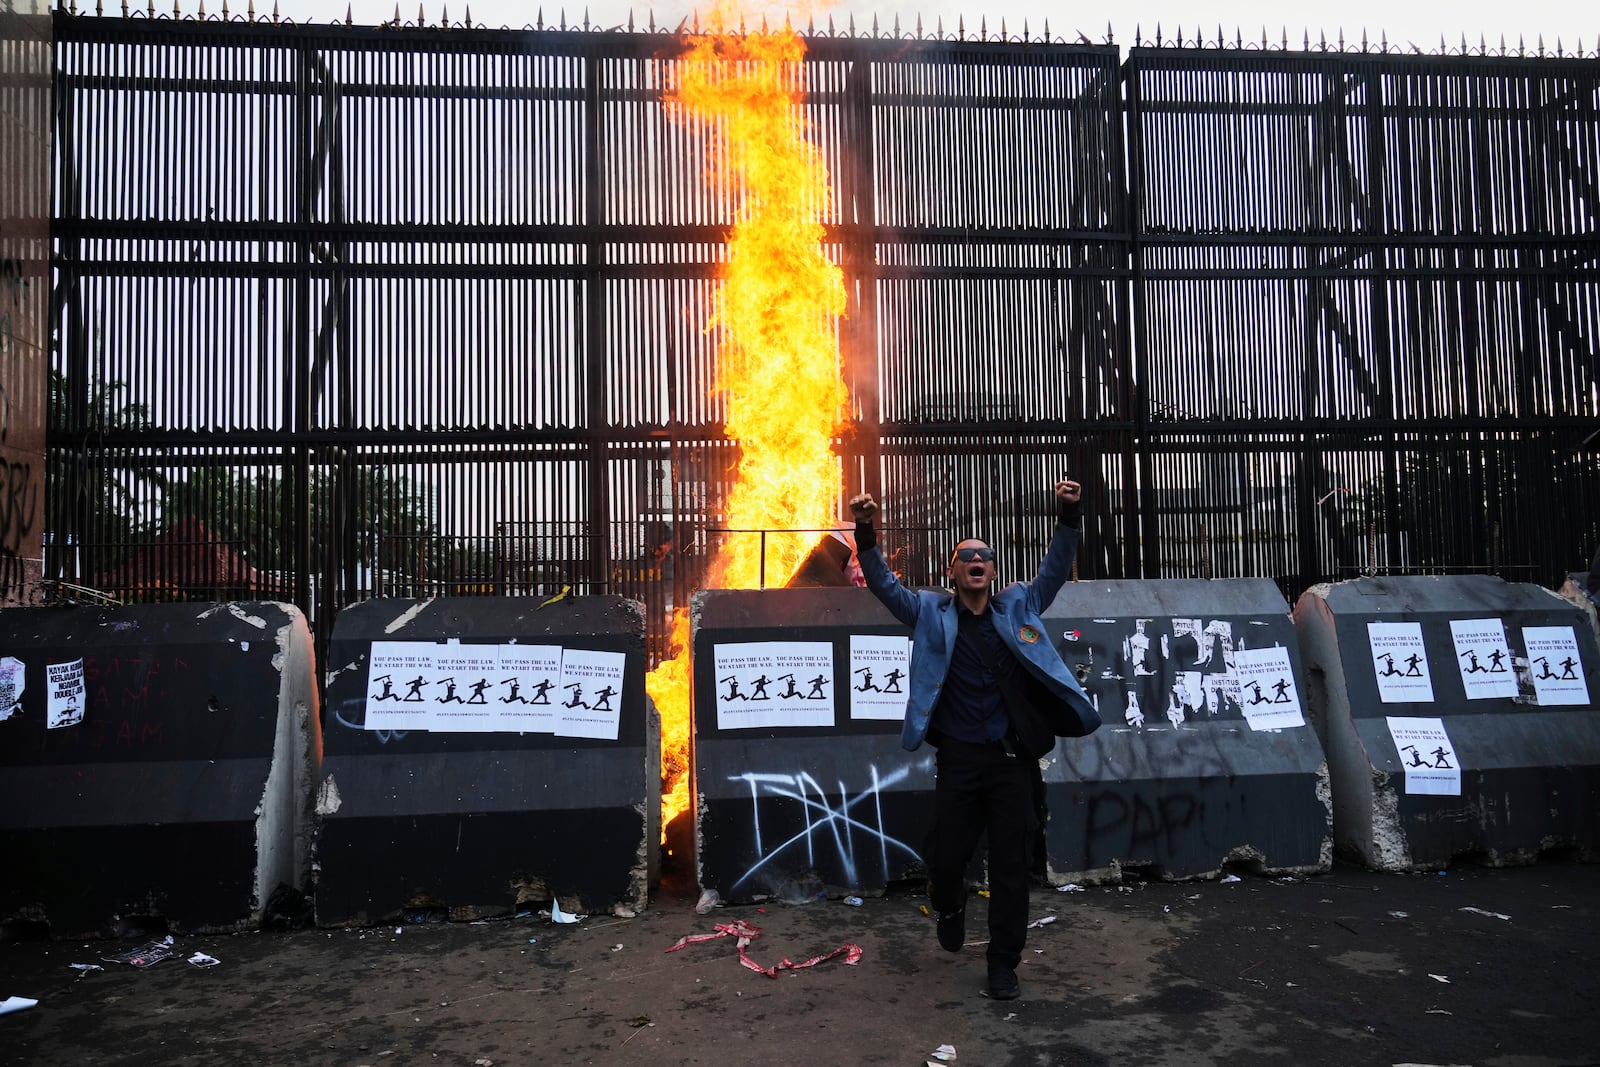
(779, 376)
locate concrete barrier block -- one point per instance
(486, 752)
(802, 786)
(1205, 757)
(1458, 716)
(156, 761)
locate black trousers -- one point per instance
(978, 790)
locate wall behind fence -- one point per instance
(346, 311)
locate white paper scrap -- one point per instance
(200, 959)
(559, 916)
(11, 1004)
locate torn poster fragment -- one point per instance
(13, 678)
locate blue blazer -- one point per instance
(931, 614)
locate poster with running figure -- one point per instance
(1400, 662)
(1483, 658)
(1427, 755)
(460, 692)
(878, 676)
(1266, 684)
(774, 683)
(1555, 666)
(590, 703)
(525, 683)
(399, 688)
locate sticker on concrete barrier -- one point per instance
(1428, 757)
(1484, 658)
(1268, 695)
(461, 692)
(774, 683)
(13, 678)
(1400, 662)
(878, 669)
(591, 682)
(1555, 665)
(402, 674)
(64, 690)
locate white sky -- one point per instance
(1406, 23)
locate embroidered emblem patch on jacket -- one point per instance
(1028, 634)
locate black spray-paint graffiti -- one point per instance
(851, 826)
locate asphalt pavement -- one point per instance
(1473, 966)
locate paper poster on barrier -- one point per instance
(13, 679)
(400, 680)
(1484, 658)
(1268, 695)
(64, 693)
(1400, 662)
(1555, 665)
(1427, 755)
(878, 676)
(460, 693)
(591, 694)
(527, 679)
(774, 683)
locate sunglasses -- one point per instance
(971, 555)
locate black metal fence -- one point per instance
(407, 311)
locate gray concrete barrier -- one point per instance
(1206, 757)
(802, 786)
(156, 761)
(1458, 716)
(484, 753)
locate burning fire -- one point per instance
(779, 376)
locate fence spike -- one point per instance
(1541, 45)
(1137, 41)
(1158, 35)
(1363, 38)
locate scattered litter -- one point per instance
(533, 940)
(854, 902)
(1490, 914)
(1044, 920)
(1166, 907)
(1439, 978)
(1438, 1011)
(708, 900)
(559, 916)
(1194, 897)
(483, 1061)
(200, 959)
(1070, 887)
(1124, 888)
(146, 955)
(640, 1020)
(744, 933)
(1009, 1016)
(11, 1004)
(86, 967)
(617, 947)
(1400, 915)
(944, 1053)
(1232, 878)
(622, 911)
(398, 929)
(984, 893)
(925, 912)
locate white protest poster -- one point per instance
(591, 694)
(1484, 658)
(13, 677)
(1400, 662)
(400, 678)
(878, 676)
(460, 690)
(64, 694)
(1427, 756)
(774, 683)
(1268, 696)
(1554, 663)
(526, 678)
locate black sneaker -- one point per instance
(1003, 982)
(952, 930)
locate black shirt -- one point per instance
(971, 706)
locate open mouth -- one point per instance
(975, 572)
